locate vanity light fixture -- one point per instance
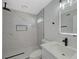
(65, 3)
(62, 4)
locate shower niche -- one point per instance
(21, 27)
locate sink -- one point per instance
(59, 51)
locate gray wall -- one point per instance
(15, 42)
(51, 31)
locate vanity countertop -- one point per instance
(59, 50)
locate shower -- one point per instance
(5, 8)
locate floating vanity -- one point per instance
(55, 50)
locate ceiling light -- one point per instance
(24, 6)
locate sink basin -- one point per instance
(59, 51)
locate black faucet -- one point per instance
(65, 41)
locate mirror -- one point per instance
(68, 20)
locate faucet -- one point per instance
(65, 41)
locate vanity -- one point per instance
(55, 50)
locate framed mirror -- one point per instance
(68, 20)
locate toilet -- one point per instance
(37, 54)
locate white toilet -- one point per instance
(37, 54)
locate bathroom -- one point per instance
(30, 27)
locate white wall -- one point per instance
(40, 27)
(15, 42)
(51, 31)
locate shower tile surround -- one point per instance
(15, 42)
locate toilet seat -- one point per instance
(36, 54)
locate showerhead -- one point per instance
(5, 8)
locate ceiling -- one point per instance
(29, 6)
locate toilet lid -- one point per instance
(36, 53)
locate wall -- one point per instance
(40, 27)
(15, 42)
(51, 31)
